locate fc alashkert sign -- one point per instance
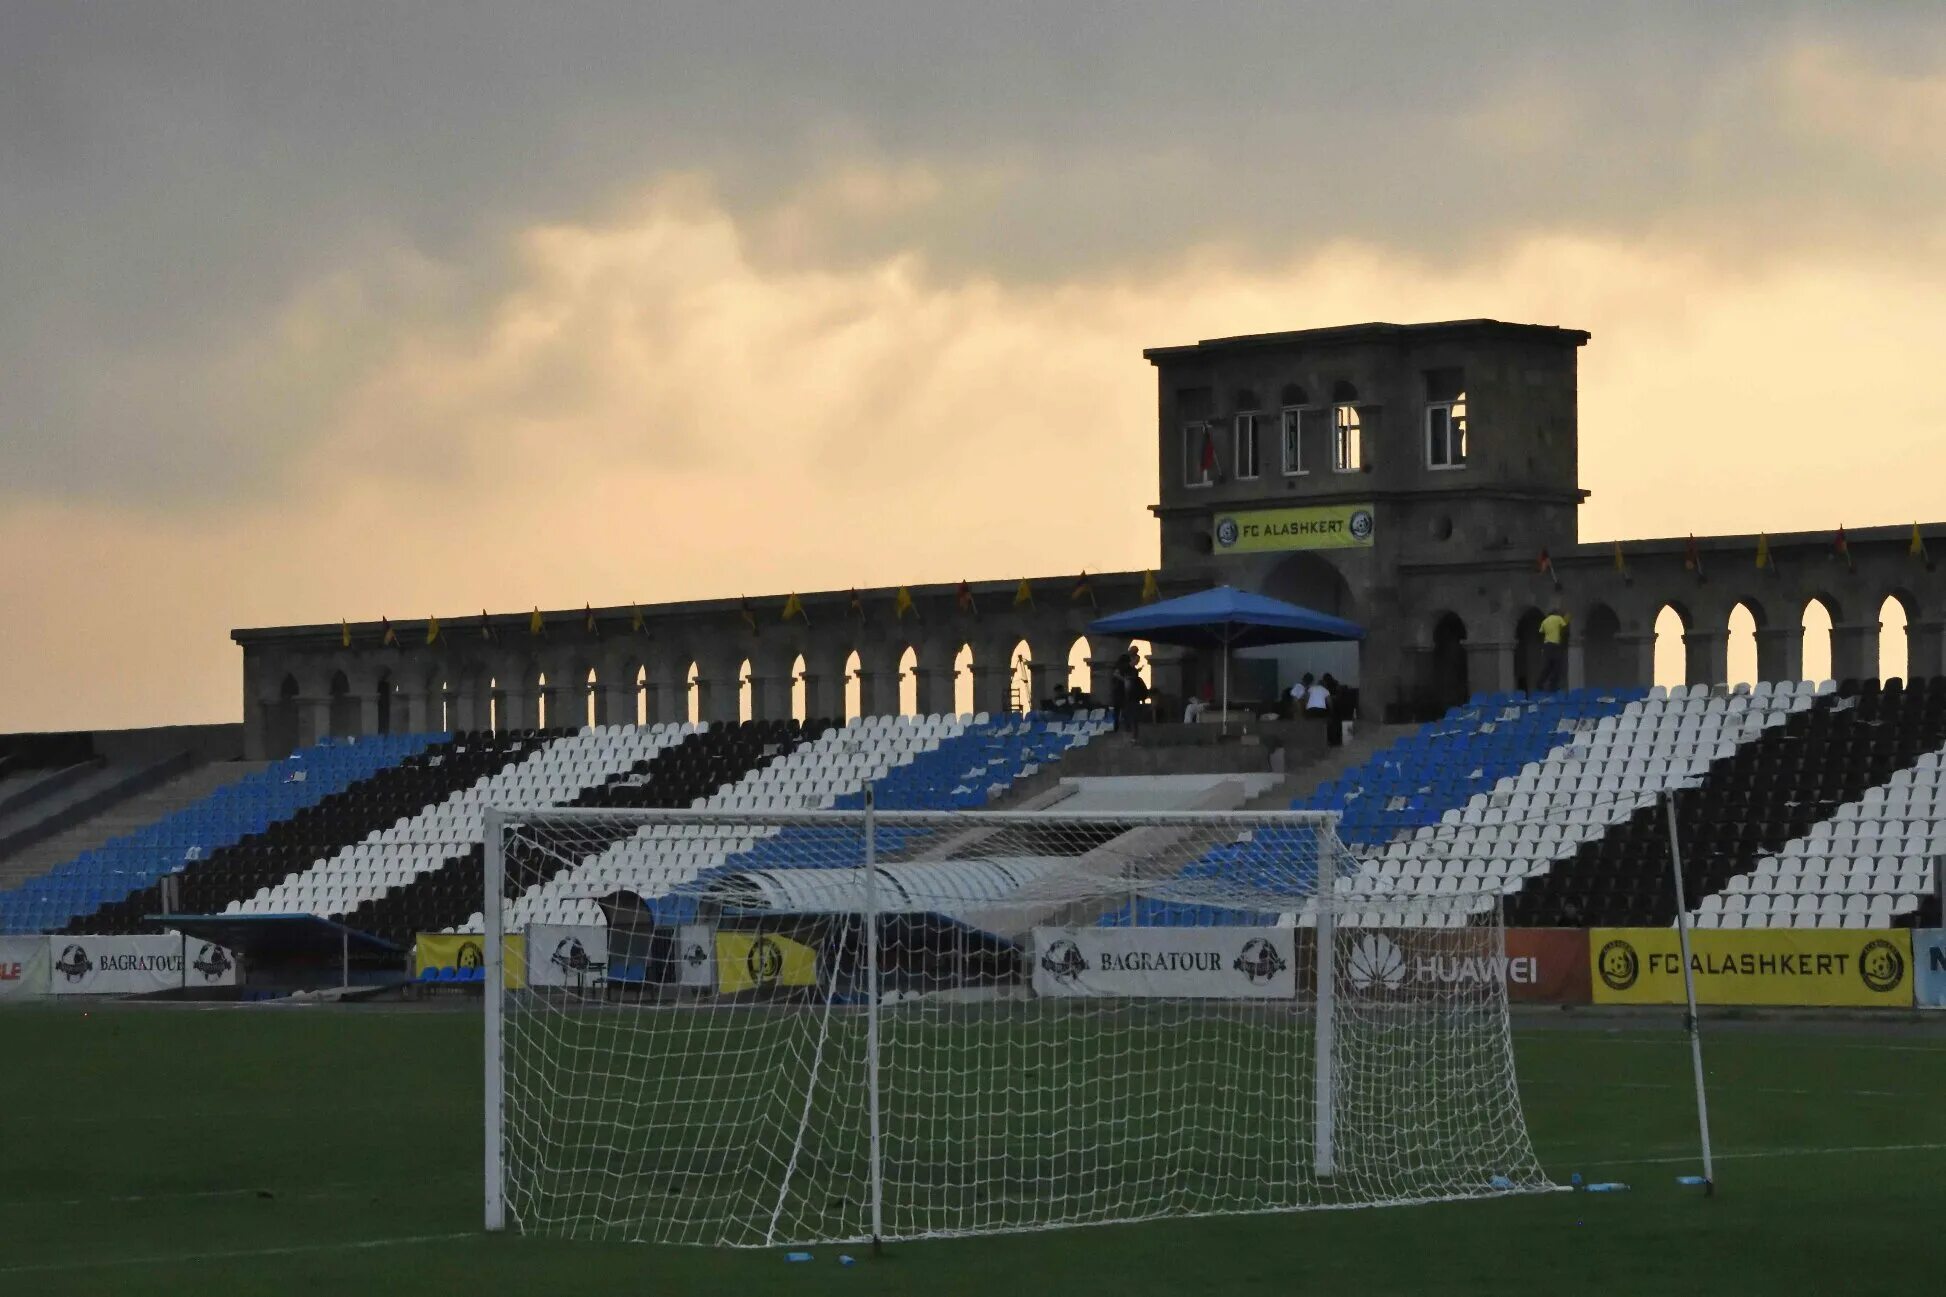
(1325, 526)
(1788, 966)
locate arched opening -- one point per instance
(344, 708)
(854, 687)
(909, 682)
(592, 687)
(1311, 581)
(641, 695)
(693, 708)
(1740, 646)
(438, 713)
(1449, 685)
(1816, 621)
(963, 680)
(746, 691)
(1080, 675)
(1894, 639)
(1671, 654)
(798, 704)
(280, 726)
(1603, 662)
(385, 690)
(1528, 654)
(1020, 693)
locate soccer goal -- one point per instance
(751, 1029)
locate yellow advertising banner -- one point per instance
(753, 961)
(468, 950)
(1781, 966)
(1323, 526)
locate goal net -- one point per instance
(748, 1029)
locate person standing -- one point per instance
(1134, 690)
(1334, 715)
(1317, 699)
(1554, 651)
(1118, 692)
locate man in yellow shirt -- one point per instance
(1554, 650)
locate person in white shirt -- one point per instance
(1192, 711)
(1317, 699)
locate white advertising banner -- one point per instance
(1172, 963)
(566, 955)
(696, 955)
(135, 965)
(23, 966)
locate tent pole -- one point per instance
(1226, 690)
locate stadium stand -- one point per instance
(1611, 764)
(360, 811)
(915, 763)
(1769, 781)
(1798, 805)
(605, 767)
(1865, 800)
(251, 805)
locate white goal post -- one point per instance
(747, 1028)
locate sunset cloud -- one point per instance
(299, 347)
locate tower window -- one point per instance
(1445, 418)
(1294, 418)
(1348, 439)
(1198, 454)
(1244, 455)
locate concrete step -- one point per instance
(124, 817)
(1303, 780)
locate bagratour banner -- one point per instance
(756, 961)
(1173, 963)
(1857, 967)
(1929, 968)
(566, 955)
(24, 964)
(86, 965)
(696, 955)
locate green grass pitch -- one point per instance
(278, 1150)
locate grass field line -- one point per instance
(297, 1193)
(238, 1254)
(1676, 1038)
(1693, 1155)
(1583, 1083)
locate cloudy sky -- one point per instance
(313, 310)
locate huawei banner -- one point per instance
(135, 965)
(24, 962)
(566, 956)
(1548, 966)
(1174, 963)
(1781, 966)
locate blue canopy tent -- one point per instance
(1226, 618)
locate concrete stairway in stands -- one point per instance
(123, 817)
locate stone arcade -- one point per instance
(1407, 477)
